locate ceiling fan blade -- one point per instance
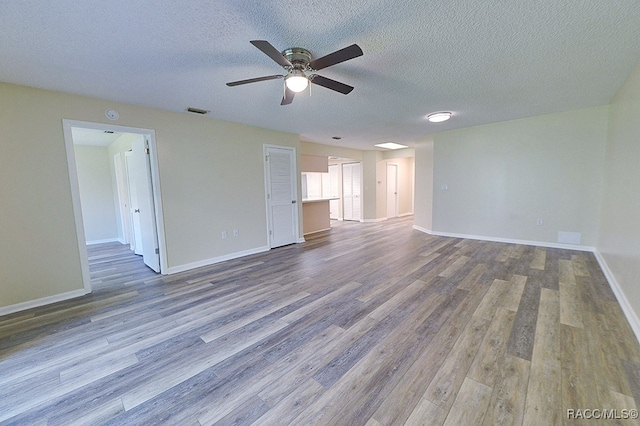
(331, 84)
(288, 96)
(336, 57)
(271, 52)
(254, 80)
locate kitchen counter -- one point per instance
(315, 215)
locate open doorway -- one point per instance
(128, 157)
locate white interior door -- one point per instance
(392, 190)
(351, 191)
(281, 194)
(134, 211)
(146, 209)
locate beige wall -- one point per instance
(39, 255)
(211, 177)
(619, 237)
(96, 193)
(502, 177)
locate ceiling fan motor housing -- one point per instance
(299, 57)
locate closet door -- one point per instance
(351, 191)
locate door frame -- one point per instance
(75, 189)
(294, 179)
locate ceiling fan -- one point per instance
(301, 68)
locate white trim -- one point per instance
(301, 240)
(405, 214)
(214, 260)
(75, 191)
(108, 240)
(629, 313)
(77, 207)
(41, 302)
(421, 229)
(508, 240)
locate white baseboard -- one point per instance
(421, 229)
(207, 262)
(405, 214)
(631, 315)
(108, 240)
(301, 240)
(508, 240)
(41, 302)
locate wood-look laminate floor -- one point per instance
(365, 324)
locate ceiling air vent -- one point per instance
(197, 111)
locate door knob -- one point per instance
(136, 211)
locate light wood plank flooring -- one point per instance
(365, 324)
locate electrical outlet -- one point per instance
(236, 232)
(224, 234)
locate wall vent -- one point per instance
(569, 237)
(197, 111)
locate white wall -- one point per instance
(211, 178)
(619, 238)
(96, 193)
(502, 177)
(423, 192)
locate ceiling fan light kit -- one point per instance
(301, 68)
(296, 81)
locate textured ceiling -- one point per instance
(486, 61)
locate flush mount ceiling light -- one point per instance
(390, 145)
(439, 117)
(296, 81)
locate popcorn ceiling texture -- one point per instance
(487, 61)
